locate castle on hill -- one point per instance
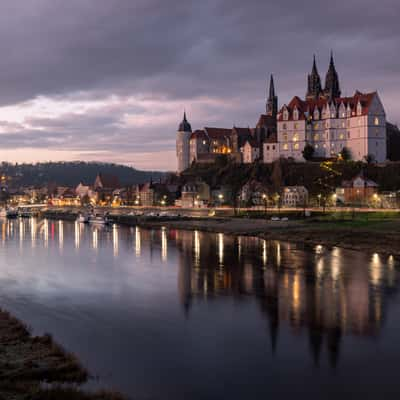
(324, 120)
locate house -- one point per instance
(195, 194)
(294, 196)
(250, 151)
(65, 196)
(104, 186)
(359, 190)
(253, 193)
(271, 149)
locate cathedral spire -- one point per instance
(314, 88)
(332, 87)
(272, 101)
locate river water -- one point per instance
(167, 314)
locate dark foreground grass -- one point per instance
(28, 362)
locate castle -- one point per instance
(324, 120)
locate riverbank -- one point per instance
(37, 368)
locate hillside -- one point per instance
(71, 173)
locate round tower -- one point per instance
(183, 145)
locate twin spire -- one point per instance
(332, 87)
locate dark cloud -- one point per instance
(183, 52)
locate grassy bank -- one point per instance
(27, 362)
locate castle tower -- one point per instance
(183, 145)
(332, 87)
(272, 101)
(314, 88)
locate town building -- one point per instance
(324, 120)
(359, 190)
(294, 196)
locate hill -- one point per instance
(71, 173)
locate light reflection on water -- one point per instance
(165, 311)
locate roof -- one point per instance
(184, 126)
(309, 105)
(271, 138)
(198, 134)
(215, 133)
(367, 182)
(266, 121)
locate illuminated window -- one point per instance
(295, 137)
(316, 146)
(316, 136)
(376, 121)
(316, 125)
(296, 146)
(285, 136)
(296, 125)
(341, 136)
(285, 146)
(204, 142)
(343, 124)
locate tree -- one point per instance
(308, 152)
(345, 154)
(369, 158)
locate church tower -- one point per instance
(332, 87)
(314, 88)
(183, 145)
(272, 101)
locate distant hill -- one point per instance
(71, 173)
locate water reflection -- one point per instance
(326, 295)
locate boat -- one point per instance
(99, 219)
(11, 213)
(82, 218)
(25, 214)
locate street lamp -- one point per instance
(265, 198)
(221, 198)
(319, 199)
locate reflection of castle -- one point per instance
(309, 291)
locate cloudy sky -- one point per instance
(108, 79)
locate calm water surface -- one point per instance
(166, 314)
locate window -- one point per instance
(376, 121)
(296, 125)
(316, 125)
(284, 135)
(204, 142)
(348, 123)
(341, 136)
(348, 135)
(316, 146)
(295, 137)
(285, 146)
(343, 124)
(296, 146)
(284, 126)
(316, 136)
(273, 147)
(285, 115)
(267, 147)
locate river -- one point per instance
(167, 314)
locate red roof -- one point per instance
(215, 133)
(198, 134)
(309, 105)
(266, 120)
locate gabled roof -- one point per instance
(215, 133)
(266, 121)
(198, 134)
(107, 181)
(309, 105)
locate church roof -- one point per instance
(215, 133)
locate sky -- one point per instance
(108, 80)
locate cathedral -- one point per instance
(324, 120)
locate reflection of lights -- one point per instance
(196, 248)
(164, 244)
(61, 234)
(46, 232)
(264, 253)
(239, 247)
(391, 261)
(77, 235)
(375, 269)
(3, 232)
(95, 239)
(335, 265)
(221, 248)
(115, 240)
(138, 243)
(296, 291)
(21, 231)
(33, 231)
(278, 254)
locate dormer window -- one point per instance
(295, 114)
(285, 115)
(316, 114)
(359, 109)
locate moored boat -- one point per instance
(99, 219)
(82, 218)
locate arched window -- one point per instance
(376, 121)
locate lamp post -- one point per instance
(265, 198)
(221, 198)
(319, 200)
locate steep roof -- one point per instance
(266, 121)
(309, 105)
(107, 181)
(215, 133)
